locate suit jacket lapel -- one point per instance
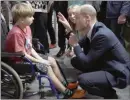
(95, 29)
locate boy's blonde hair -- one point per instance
(21, 10)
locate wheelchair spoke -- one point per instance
(8, 85)
(5, 93)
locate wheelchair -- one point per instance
(18, 79)
(20, 75)
(14, 79)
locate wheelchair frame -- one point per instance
(9, 71)
(39, 76)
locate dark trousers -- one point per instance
(61, 6)
(50, 27)
(39, 29)
(116, 28)
(95, 82)
(61, 36)
(101, 15)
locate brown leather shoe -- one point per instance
(78, 94)
(72, 85)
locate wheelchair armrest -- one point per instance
(7, 54)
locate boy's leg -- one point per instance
(54, 66)
(58, 84)
(65, 91)
(59, 73)
(55, 80)
(56, 69)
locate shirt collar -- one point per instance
(90, 32)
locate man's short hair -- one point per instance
(21, 10)
(88, 9)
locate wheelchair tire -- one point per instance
(8, 69)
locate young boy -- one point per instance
(19, 39)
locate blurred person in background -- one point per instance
(116, 16)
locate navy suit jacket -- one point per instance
(106, 52)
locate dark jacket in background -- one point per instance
(117, 8)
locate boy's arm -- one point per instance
(36, 55)
(36, 58)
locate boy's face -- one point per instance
(28, 20)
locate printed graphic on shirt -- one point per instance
(28, 44)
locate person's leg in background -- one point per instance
(51, 29)
(40, 29)
(101, 15)
(63, 5)
(61, 40)
(96, 83)
(116, 28)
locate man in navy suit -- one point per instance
(99, 55)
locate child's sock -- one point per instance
(64, 83)
(68, 93)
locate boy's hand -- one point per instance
(69, 53)
(46, 62)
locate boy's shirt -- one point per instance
(17, 41)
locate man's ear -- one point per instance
(88, 17)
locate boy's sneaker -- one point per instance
(51, 46)
(72, 85)
(77, 94)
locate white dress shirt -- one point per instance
(90, 32)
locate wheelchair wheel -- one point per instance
(11, 85)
